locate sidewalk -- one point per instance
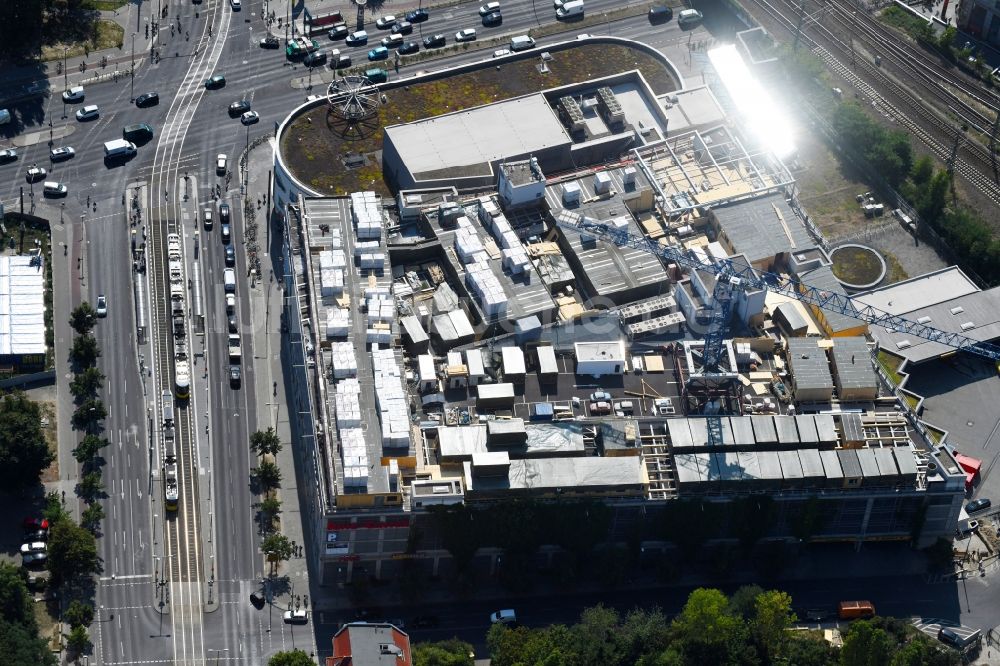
(269, 385)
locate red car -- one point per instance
(34, 524)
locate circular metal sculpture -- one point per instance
(353, 98)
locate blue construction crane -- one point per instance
(732, 277)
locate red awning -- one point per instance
(969, 464)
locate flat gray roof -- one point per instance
(544, 439)
(472, 139)
(822, 278)
(568, 473)
(809, 364)
(787, 432)
(754, 228)
(763, 429)
(922, 291)
(853, 363)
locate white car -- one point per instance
(74, 94)
(33, 547)
(250, 117)
(102, 305)
(467, 35)
(385, 22)
(61, 153)
(296, 617)
(220, 163)
(489, 8)
(88, 112)
(236, 4)
(499, 53)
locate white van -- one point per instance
(505, 616)
(229, 279)
(571, 8)
(689, 17)
(521, 43)
(118, 147)
(52, 188)
(391, 41)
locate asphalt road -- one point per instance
(129, 627)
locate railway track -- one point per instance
(902, 105)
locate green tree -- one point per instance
(276, 547)
(807, 650)
(72, 553)
(86, 383)
(743, 602)
(771, 621)
(16, 603)
(265, 442)
(83, 318)
(88, 448)
(92, 516)
(457, 529)
(443, 653)
(90, 486)
(268, 475)
(84, 352)
(24, 453)
(705, 631)
(290, 658)
(54, 510)
(21, 33)
(79, 613)
(88, 414)
(270, 507)
(865, 645)
(78, 640)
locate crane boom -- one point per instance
(743, 278)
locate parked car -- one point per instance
(31, 524)
(425, 622)
(220, 163)
(215, 82)
(36, 559)
(88, 112)
(147, 99)
(385, 22)
(600, 395)
(61, 153)
(978, 505)
(102, 305)
(402, 28)
(418, 15)
(32, 547)
(35, 173)
(38, 535)
(408, 48)
(238, 108)
(7, 155)
(434, 41)
(493, 18)
(74, 94)
(505, 616)
(489, 8)
(250, 117)
(466, 35)
(339, 32)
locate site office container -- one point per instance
(853, 610)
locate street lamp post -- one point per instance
(65, 72)
(132, 78)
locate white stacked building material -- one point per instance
(343, 361)
(509, 240)
(390, 398)
(332, 259)
(487, 210)
(515, 260)
(380, 308)
(495, 303)
(379, 334)
(463, 222)
(348, 409)
(354, 453)
(500, 226)
(363, 247)
(372, 260)
(331, 282)
(366, 213)
(338, 322)
(467, 244)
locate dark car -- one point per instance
(8, 155)
(407, 48)
(239, 108)
(315, 58)
(425, 622)
(978, 505)
(235, 376)
(31, 524)
(147, 99)
(339, 32)
(660, 14)
(215, 82)
(434, 41)
(230, 256)
(341, 62)
(257, 600)
(270, 41)
(402, 28)
(233, 324)
(493, 18)
(36, 535)
(224, 213)
(417, 16)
